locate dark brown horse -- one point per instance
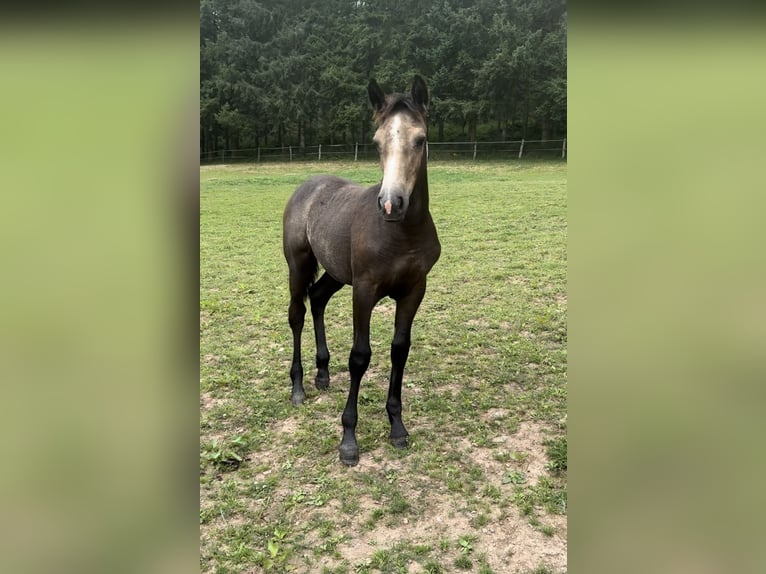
(381, 240)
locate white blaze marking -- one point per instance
(392, 166)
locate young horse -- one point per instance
(380, 240)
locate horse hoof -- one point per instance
(349, 457)
(400, 441)
(297, 399)
(322, 383)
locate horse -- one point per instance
(381, 240)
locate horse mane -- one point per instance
(396, 102)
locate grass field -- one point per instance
(482, 487)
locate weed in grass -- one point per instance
(422, 549)
(381, 559)
(463, 562)
(547, 530)
(515, 477)
(432, 567)
(502, 456)
(545, 494)
(465, 544)
(224, 457)
(557, 453)
(375, 516)
(492, 492)
(398, 504)
(275, 559)
(480, 520)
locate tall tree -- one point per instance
(294, 72)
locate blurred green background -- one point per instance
(666, 291)
(98, 180)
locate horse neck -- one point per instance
(418, 209)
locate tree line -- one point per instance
(295, 72)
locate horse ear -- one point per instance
(377, 97)
(420, 93)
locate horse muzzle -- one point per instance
(392, 206)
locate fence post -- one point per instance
(291, 152)
(356, 150)
(564, 149)
(474, 150)
(259, 154)
(426, 150)
(320, 152)
(521, 149)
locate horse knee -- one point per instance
(296, 314)
(358, 361)
(400, 349)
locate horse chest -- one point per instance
(399, 260)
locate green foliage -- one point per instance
(278, 73)
(277, 554)
(557, 453)
(224, 456)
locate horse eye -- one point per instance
(420, 141)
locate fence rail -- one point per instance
(356, 151)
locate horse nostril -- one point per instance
(399, 202)
(380, 202)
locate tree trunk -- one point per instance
(526, 118)
(546, 129)
(441, 130)
(526, 124)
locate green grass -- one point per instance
(488, 356)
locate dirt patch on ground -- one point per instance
(507, 541)
(207, 402)
(524, 450)
(513, 546)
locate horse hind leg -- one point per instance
(302, 273)
(319, 294)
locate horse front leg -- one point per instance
(358, 361)
(406, 307)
